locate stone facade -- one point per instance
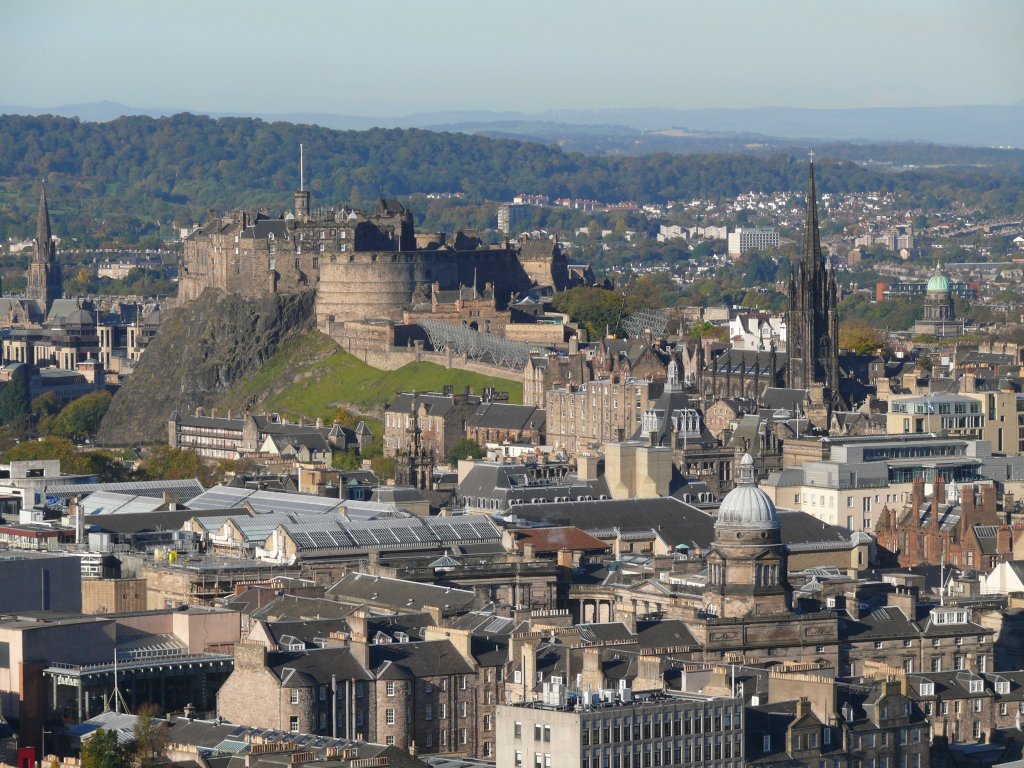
(361, 266)
(113, 595)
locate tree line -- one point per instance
(131, 177)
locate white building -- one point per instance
(757, 331)
(747, 239)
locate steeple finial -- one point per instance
(302, 171)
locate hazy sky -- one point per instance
(390, 57)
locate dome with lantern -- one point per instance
(746, 506)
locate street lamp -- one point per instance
(42, 747)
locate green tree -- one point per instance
(80, 419)
(14, 397)
(102, 750)
(46, 404)
(346, 460)
(150, 737)
(167, 463)
(465, 449)
(97, 462)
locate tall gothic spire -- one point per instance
(44, 237)
(812, 239)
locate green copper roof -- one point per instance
(939, 283)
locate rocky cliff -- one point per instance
(201, 351)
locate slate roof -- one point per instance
(383, 592)
(675, 521)
(507, 416)
(301, 669)
(391, 661)
(305, 631)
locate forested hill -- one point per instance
(123, 176)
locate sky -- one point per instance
(399, 57)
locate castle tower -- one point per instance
(45, 283)
(812, 317)
(747, 563)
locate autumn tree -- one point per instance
(860, 337)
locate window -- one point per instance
(547, 733)
(767, 746)
(907, 643)
(428, 714)
(519, 730)
(293, 724)
(977, 686)
(389, 688)
(389, 716)
(977, 705)
(294, 695)
(936, 663)
(537, 731)
(442, 710)
(927, 689)
(519, 758)
(389, 741)
(488, 750)
(487, 723)
(1002, 686)
(462, 709)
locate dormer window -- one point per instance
(1002, 686)
(977, 686)
(927, 689)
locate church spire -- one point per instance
(44, 237)
(812, 239)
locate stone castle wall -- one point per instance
(358, 286)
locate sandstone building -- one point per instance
(362, 266)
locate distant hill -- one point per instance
(124, 178)
(967, 125)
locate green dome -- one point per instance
(939, 283)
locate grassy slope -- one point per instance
(312, 377)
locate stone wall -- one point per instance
(357, 286)
(113, 595)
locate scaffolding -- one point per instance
(476, 346)
(653, 320)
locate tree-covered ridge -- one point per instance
(127, 175)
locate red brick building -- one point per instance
(968, 534)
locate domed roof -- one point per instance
(747, 506)
(939, 282)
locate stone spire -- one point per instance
(812, 239)
(45, 250)
(812, 317)
(44, 279)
